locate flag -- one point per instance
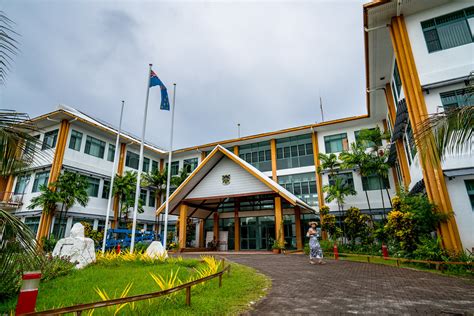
(155, 81)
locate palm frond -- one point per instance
(450, 132)
(8, 45)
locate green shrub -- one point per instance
(49, 243)
(53, 267)
(141, 247)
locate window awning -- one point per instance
(222, 175)
(401, 121)
(451, 173)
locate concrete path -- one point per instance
(343, 287)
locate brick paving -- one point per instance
(343, 287)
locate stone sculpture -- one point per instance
(76, 247)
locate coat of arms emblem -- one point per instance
(226, 179)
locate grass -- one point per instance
(243, 285)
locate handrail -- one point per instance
(406, 259)
(82, 307)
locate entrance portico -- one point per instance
(226, 189)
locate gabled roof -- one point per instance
(208, 164)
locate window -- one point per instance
(190, 164)
(460, 97)
(367, 144)
(470, 191)
(154, 166)
(450, 30)
(111, 153)
(95, 147)
(293, 152)
(75, 140)
(397, 82)
(374, 182)
(143, 194)
(174, 168)
(146, 164)
(49, 140)
(152, 198)
(93, 189)
(41, 178)
(21, 183)
(132, 160)
(30, 147)
(106, 189)
(336, 143)
(346, 177)
(33, 223)
(257, 154)
(302, 185)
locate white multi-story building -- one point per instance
(419, 56)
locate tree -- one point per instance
(328, 162)
(357, 224)
(156, 180)
(47, 200)
(180, 178)
(338, 192)
(359, 159)
(124, 189)
(71, 188)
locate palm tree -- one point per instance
(180, 178)
(124, 189)
(359, 159)
(47, 200)
(156, 180)
(328, 162)
(72, 189)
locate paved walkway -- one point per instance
(343, 287)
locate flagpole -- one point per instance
(168, 179)
(140, 163)
(112, 178)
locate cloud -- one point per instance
(261, 64)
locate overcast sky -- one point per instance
(262, 64)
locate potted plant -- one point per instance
(277, 246)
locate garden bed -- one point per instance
(243, 285)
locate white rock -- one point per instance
(156, 250)
(76, 247)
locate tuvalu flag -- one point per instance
(155, 81)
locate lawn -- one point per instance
(243, 285)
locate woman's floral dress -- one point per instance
(315, 248)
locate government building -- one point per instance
(419, 60)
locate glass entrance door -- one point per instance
(257, 233)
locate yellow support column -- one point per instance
(432, 172)
(237, 226)
(183, 217)
(216, 226)
(273, 153)
(120, 167)
(236, 150)
(201, 234)
(8, 188)
(319, 180)
(299, 239)
(401, 154)
(279, 232)
(47, 216)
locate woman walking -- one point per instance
(315, 251)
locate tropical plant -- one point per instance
(328, 162)
(18, 253)
(360, 160)
(71, 188)
(372, 138)
(105, 297)
(357, 225)
(8, 45)
(47, 200)
(338, 192)
(180, 178)
(156, 180)
(169, 282)
(450, 132)
(328, 223)
(124, 188)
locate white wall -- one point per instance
(462, 208)
(444, 64)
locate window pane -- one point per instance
(154, 166)
(93, 189)
(146, 164)
(454, 34)
(106, 189)
(49, 140)
(190, 164)
(75, 141)
(132, 160)
(40, 179)
(94, 147)
(21, 183)
(111, 153)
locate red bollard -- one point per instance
(385, 251)
(28, 293)
(118, 248)
(336, 252)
